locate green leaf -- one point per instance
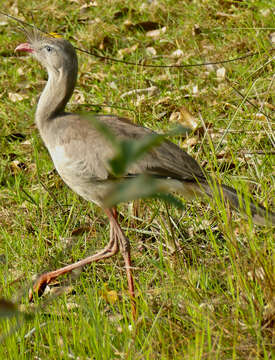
(131, 150)
(130, 189)
(142, 186)
(127, 152)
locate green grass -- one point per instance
(211, 299)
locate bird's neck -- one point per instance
(56, 94)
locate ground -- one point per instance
(203, 275)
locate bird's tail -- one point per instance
(259, 213)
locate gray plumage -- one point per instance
(80, 153)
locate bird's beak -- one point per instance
(24, 47)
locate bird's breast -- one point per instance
(60, 159)
(73, 170)
(76, 173)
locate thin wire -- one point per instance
(167, 66)
(138, 64)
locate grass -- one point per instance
(213, 298)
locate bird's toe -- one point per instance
(39, 286)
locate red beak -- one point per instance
(24, 47)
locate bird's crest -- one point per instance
(35, 34)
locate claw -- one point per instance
(39, 286)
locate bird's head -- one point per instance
(54, 53)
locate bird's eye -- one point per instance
(49, 48)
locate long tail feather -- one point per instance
(259, 213)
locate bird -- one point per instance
(81, 155)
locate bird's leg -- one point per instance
(124, 246)
(46, 278)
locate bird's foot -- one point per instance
(39, 286)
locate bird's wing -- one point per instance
(164, 160)
(88, 151)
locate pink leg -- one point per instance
(124, 247)
(117, 241)
(46, 278)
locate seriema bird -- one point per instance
(81, 153)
